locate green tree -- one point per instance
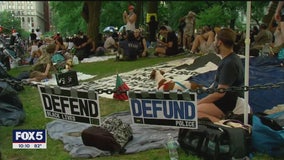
(66, 17)
(208, 17)
(10, 22)
(214, 13)
(258, 12)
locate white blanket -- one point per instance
(144, 137)
(96, 59)
(52, 81)
(138, 79)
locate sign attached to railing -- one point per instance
(70, 104)
(174, 109)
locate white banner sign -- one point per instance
(166, 109)
(69, 104)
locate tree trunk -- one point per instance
(93, 23)
(139, 6)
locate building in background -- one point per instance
(33, 14)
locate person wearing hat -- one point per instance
(130, 18)
(189, 30)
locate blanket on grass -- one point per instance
(262, 71)
(139, 79)
(144, 137)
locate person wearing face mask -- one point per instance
(230, 73)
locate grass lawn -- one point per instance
(55, 149)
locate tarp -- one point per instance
(11, 108)
(262, 71)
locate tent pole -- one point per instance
(247, 47)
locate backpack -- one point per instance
(59, 61)
(112, 135)
(4, 75)
(121, 131)
(57, 57)
(215, 141)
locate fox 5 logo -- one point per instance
(27, 136)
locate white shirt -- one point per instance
(130, 26)
(109, 42)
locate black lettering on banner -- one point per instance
(84, 107)
(94, 109)
(77, 109)
(74, 106)
(55, 103)
(46, 101)
(64, 103)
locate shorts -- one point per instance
(227, 103)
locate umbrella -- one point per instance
(121, 28)
(110, 29)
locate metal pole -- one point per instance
(247, 47)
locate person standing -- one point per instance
(32, 36)
(38, 34)
(230, 73)
(188, 31)
(130, 18)
(152, 28)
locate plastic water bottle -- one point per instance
(75, 60)
(172, 146)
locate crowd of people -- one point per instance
(132, 44)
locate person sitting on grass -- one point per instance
(230, 73)
(204, 41)
(169, 45)
(43, 66)
(111, 43)
(142, 43)
(128, 49)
